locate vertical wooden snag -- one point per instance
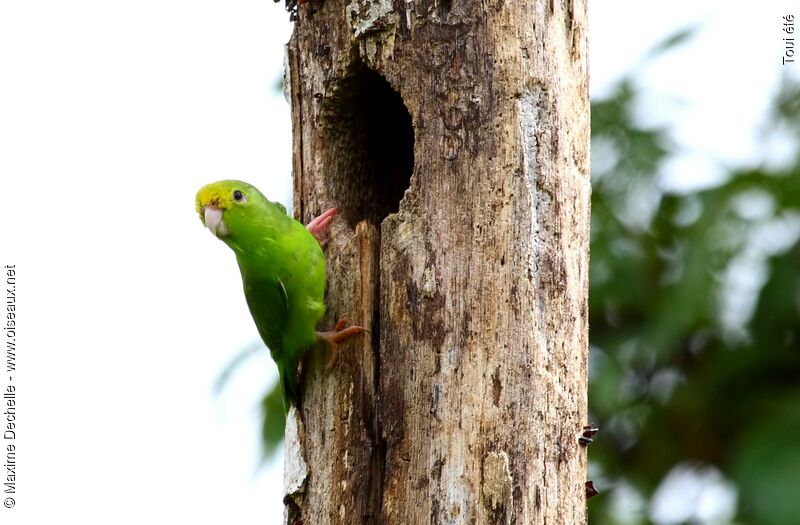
(453, 135)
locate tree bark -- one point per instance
(453, 135)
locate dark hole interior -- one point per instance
(369, 146)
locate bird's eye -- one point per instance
(238, 196)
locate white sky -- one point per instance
(111, 116)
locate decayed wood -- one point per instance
(332, 462)
(465, 402)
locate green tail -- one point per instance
(289, 386)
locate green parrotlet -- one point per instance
(283, 272)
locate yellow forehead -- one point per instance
(219, 194)
(212, 195)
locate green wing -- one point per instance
(269, 305)
(302, 274)
(284, 282)
(287, 363)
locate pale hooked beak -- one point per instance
(212, 217)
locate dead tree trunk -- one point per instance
(453, 135)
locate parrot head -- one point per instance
(226, 206)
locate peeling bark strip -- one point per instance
(465, 402)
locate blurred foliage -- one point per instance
(271, 405)
(227, 372)
(694, 323)
(274, 420)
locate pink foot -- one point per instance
(319, 225)
(339, 334)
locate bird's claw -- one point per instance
(339, 333)
(319, 225)
(340, 324)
